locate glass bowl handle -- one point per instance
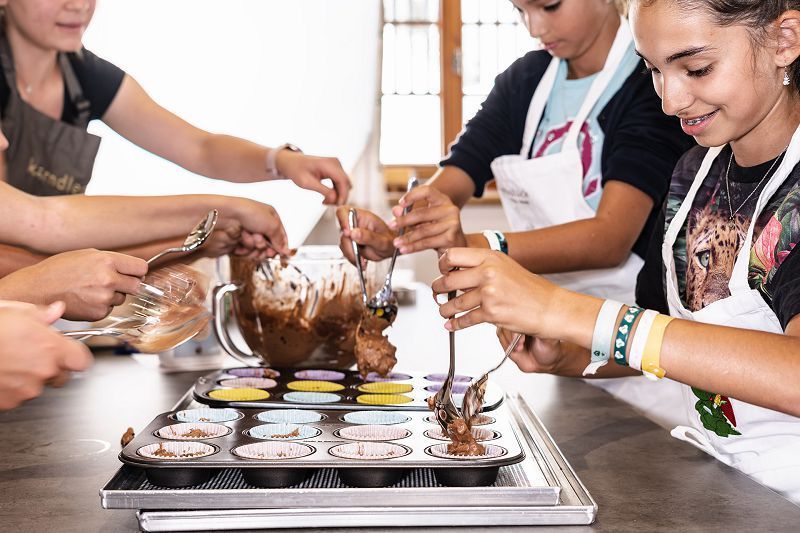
(221, 329)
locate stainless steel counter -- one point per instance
(59, 450)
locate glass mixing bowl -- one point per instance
(297, 313)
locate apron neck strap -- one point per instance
(615, 56)
(82, 105)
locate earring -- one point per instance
(786, 79)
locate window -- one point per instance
(440, 58)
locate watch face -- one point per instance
(293, 148)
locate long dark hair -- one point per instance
(756, 15)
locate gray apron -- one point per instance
(46, 157)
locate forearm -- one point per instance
(455, 183)
(717, 359)
(231, 159)
(113, 222)
(13, 258)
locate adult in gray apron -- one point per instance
(46, 157)
(768, 447)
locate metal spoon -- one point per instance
(443, 407)
(472, 404)
(196, 237)
(352, 219)
(382, 304)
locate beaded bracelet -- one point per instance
(602, 336)
(623, 331)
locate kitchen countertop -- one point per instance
(57, 451)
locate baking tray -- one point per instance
(540, 490)
(348, 397)
(415, 439)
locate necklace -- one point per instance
(758, 185)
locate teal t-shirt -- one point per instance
(562, 106)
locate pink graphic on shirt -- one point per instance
(586, 146)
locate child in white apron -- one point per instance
(726, 271)
(581, 154)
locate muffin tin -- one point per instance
(321, 388)
(282, 447)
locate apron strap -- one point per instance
(537, 105)
(615, 56)
(82, 105)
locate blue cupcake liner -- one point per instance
(441, 377)
(311, 397)
(273, 431)
(393, 376)
(320, 375)
(458, 388)
(383, 418)
(207, 414)
(290, 416)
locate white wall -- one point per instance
(301, 71)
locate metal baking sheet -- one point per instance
(347, 396)
(541, 490)
(417, 444)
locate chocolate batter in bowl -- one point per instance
(302, 313)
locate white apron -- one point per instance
(546, 191)
(768, 448)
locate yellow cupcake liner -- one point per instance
(386, 387)
(314, 386)
(383, 399)
(238, 395)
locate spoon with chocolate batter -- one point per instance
(443, 407)
(382, 304)
(472, 404)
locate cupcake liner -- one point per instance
(311, 397)
(290, 416)
(207, 414)
(383, 399)
(383, 418)
(314, 386)
(478, 420)
(238, 395)
(193, 431)
(373, 433)
(320, 375)
(441, 377)
(440, 450)
(368, 451)
(253, 372)
(283, 432)
(168, 451)
(458, 388)
(386, 387)
(249, 383)
(273, 450)
(480, 434)
(392, 376)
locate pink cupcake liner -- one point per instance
(249, 383)
(373, 433)
(480, 434)
(273, 450)
(253, 372)
(480, 420)
(168, 451)
(491, 451)
(320, 375)
(368, 451)
(193, 431)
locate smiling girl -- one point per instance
(723, 280)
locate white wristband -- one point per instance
(640, 338)
(493, 240)
(272, 157)
(604, 328)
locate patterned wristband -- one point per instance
(623, 331)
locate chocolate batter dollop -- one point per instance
(374, 352)
(463, 442)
